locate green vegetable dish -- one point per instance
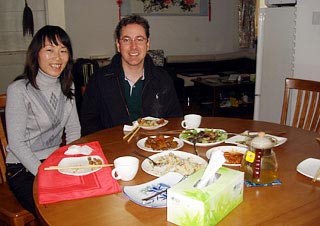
(204, 136)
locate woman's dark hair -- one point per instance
(132, 19)
(54, 34)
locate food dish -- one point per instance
(141, 145)
(240, 139)
(162, 169)
(152, 123)
(79, 161)
(190, 134)
(138, 192)
(229, 149)
(309, 167)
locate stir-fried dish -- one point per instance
(161, 142)
(150, 122)
(233, 157)
(204, 136)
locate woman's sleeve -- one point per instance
(16, 123)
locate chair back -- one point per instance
(11, 212)
(306, 105)
(3, 139)
(157, 56)
(82, 70)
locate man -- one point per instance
(131, 86)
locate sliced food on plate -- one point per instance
(151, 122)
(69, 165)
(173, 161)
(232, 154)
(204, 136)
(159, 143)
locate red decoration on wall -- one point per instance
(209, 10)
(119, 2)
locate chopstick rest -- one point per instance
(76, 167)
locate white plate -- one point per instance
(138, 192)
(240, 138)
(153, 127)
(78, 161)
(203, 144)
(161, 170)
(309, 167)
(241, 150)
(142, 141)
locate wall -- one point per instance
(13, 44)
(93, 35)
(307, 51)
(91, 25)
(56, 13)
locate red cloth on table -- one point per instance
(54, 186)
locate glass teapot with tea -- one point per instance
(259, 163)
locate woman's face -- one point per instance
(53, 58)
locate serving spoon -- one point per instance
(146, 157)
(194, 141)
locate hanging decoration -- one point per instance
(27, 21)
(247, 15)
(209, 10)
(119, 2)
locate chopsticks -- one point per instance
(76, 167)
(154, 195)
(314, 179)
(132, 133)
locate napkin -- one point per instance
(128, 128)
(54, 186)
(209, 175)
(76, 149)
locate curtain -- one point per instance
(247, 28)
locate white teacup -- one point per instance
(125, 168)
(191, 121)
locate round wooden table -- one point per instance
(295, 202)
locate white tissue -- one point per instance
(75, 150)
(128, 128)
(216, 161)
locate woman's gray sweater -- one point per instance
(35, 120)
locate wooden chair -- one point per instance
(306, 105)
(11, 212)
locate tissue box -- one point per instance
(187, 205)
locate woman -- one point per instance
(40, 106)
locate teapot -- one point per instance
(259, 163)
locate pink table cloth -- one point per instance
(54, 186)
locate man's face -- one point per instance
(133, 45)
